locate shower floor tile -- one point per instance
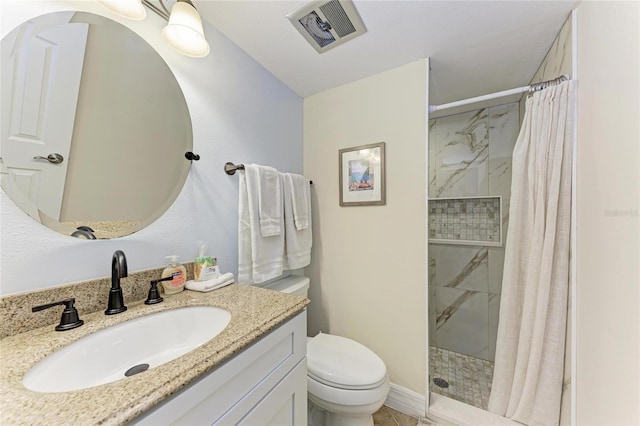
(469, 378)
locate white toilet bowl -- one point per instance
(345, 380)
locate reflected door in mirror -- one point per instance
(42, 65)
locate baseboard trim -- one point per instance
(406, 401)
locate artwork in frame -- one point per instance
(362, 176)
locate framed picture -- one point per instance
(362, 175)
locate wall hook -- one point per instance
(191, 156)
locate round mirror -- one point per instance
(94, 126)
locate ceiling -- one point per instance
(476, 47)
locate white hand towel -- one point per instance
(210, 285)
(301, 199)
(265, 182)
(245, 261)
(297, 241)
(259, 258)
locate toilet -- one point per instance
(346, 381)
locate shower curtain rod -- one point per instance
(532, 88)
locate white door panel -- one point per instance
(41, 71)
(27, 181)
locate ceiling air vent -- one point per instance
(327, 24)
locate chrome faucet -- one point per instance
(118, 270)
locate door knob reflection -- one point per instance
(52, 158)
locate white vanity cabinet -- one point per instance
(265, 384)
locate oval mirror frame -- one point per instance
(95, 126)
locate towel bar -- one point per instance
(230, 169)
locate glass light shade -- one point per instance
(131, 9)
(184, 31)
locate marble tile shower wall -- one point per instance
(469, 155)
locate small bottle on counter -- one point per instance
(205, 267)
(179, 274)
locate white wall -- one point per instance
(239, 112)
(368, 269)
(608, 214)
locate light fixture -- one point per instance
(184, 31)
(131, 9)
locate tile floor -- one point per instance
(389, 417)
(469, 378)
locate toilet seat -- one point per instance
(322, 394)
(342, 363)
(343, 386)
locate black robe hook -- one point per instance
(191, 156)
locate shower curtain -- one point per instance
(527, 381)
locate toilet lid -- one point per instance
(343, 363)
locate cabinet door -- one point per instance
(285, 405)
(225, 395)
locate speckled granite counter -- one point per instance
(254, 312)
(108, 229)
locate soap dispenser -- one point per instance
(179, 274)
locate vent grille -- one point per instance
(317, 29)
(327, 24)
(338, 18)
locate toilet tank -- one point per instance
(293, 284)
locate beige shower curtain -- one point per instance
(527, 381)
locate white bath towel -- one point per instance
(301, 199)
(210, 285)
(297, 241)
(264, 182)
(259, 258)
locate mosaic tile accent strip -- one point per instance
(468, 221)
(469, 378)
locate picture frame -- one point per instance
(362, 175)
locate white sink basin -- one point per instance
(105, 356)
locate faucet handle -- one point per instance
(69, 319)
(154, 295)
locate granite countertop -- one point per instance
(254, 312)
